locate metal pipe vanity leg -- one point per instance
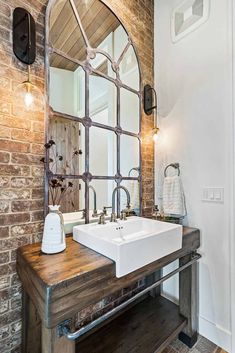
(188, 297)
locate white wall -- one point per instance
(61, 95)
(194, 85)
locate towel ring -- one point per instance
(173, 165)
(137, 169)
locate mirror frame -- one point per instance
(86, 121)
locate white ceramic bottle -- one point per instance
(53, 240)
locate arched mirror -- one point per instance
(94, 107)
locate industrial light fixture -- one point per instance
(156, 131)
(24, 46)
(150, 107)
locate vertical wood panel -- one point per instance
(65, 133)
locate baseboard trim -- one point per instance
(221, 337)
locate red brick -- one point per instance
(4, 282)
(4, 259)
(37, 171)
(18, 182)
(37, 149)
(37, 216)
(5, 9)
(4, 232)
(5, 132)
(25, 229)
(37, 193)
(22, 206)
(4, 206)
(14, 170)
(25, 135)
(10, 317)
(4, 157)
(22, 158)
(13, 146)
(13, 194)
(15, 123)
(5, 107)
(38, 126)
(10, 219)
(4, 34)
(7, 269)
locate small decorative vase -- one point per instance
(53, 240)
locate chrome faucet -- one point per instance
(114, 215)
(94, 214)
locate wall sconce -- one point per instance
(24, 47)
(150, 105)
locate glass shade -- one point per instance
(29, 96)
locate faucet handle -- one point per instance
(113, 217)
(102, 219)
(105, 209)
(123, 215)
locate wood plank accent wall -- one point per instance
(21, 147)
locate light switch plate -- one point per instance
(215, 195)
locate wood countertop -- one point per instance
(61, 285)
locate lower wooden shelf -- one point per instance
(147, 327)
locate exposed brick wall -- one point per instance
(21, 146)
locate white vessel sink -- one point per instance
(132, 244)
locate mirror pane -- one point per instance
(134, 189)
(103, 155)
(129, 111)
(68, 194)
(103, 101)
(103, 65)
(67, 90)
(120, 40)
(104, 189)
(129, 69)
(129, 154)
(67, 152)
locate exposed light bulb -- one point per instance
(155, 134)
(28, 100)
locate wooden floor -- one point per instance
(202, 346)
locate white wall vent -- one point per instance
(187, 17)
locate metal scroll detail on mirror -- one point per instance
(94, 105)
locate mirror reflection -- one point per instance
(129, 154)
(102, 152)
(67, 90)
(129, 111)
(134, 190)
(94, 88)
(103, 101)
(67, 153)
(103, 189)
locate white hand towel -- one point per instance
(134, 194)
(173, 196)
(133, 188)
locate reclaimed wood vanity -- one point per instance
(56, 287)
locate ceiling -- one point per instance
(65, 34)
